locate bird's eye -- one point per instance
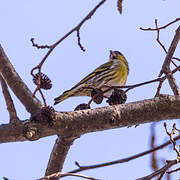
(114, 56)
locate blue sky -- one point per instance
(48, 21)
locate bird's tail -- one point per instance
(63, 96)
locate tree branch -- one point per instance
(9, 102)
(175, 170)
(74, 124)
(58, 156)
(130, 87)
(58, 174)
(170, 134)
(16, 84)
(162, 170)
(166, 65)
(52, 47)
(83, 168)
(163, 27)
(76, 28)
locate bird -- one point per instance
(112, 73)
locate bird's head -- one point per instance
(116, 55)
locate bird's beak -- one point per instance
(111, 54)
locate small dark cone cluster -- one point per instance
(47, 116)
(97, 95)
(45, 82)
(118, 96)
(82, 106)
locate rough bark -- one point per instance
(74, 124)
(58, 155)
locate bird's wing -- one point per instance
(104, 67)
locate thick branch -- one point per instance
(74, 124)
(17, 85)
(58, 156)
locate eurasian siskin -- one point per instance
(112, 73)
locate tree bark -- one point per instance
(74, 124)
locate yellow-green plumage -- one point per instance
(113, 73)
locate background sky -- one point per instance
(48, 21)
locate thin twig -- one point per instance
(83, 168)
(163, 170)
(161, 175)
(79, 40)
(175, 170)
(129, 87)
(158, 30)
(176, 58)
(162, 27)
(90, 14)
(39, 46)
(171, 138)
(9, 102)
(176, 129)
(160, 171)
(59, 174)
(152, 81)
(159, 88)
(44, 100)
(158, 39)
(174, 62)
